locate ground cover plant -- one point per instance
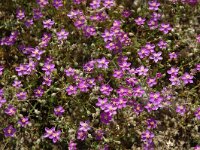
(100, 74)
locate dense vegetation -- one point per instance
(100, 74)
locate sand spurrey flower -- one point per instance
(2, 101)
(62, 35)
(140, 21)
(165, 28)
(153, 5)
(20, 14)
(72, 145)
(58, 111)
(57, 3)
(52, 134)
(48, 23)
(23, 121)
(21, 95)
(197, 113)
(9, 131)
(151, 123)
(10, 110)
(1, 70)
(187, 78)
(181, 110)
(42, 3)
(147, 136)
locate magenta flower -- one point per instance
(28, 23)
(151, 123)
(105, 117)
(126, 13)
(22, 70)
(71, 90)
(140, 21)
(106, 89)
(198, 38)
(48, 68)
(70, 72)
(174, 80)
(2, 101)
(152, 24)
(23, 121)
(9, 131)
(197, 147)
(1, 92)
(58, 111)
(84, 126)
(47, 80)
(102, 103)
(153, 5)
(37, 14)
(156, 56)
(10, 110)
(147, 136)
(108, 3)
(42, 3)
(151, 82)
(83, 85)
(80, 22)
(156, 16)
(122, 91)
(162, 44)
(49, 132)
(107, 36)
(143, 52)
(52, 134)
(38, 92)
(74, 13)
(89, 31)
(55, 136)
(155, 98)
(99, 134)
(57, 3)
(187, 78)
(95, 4)
(36, 53)
(124, 65)
(142, 71)
(137, 108)
(173, 55)
(72, 145)
(20, 14)
(138, 91)
(165, 28)
(131, 81)
(111, 109)
(102, 63)
(62, 35)
(110, 46)
(118, 74)
(173, 71)
(120, 102)
(197, 113)
(1, 70)
(91, 82)
(81, 135)
(9, 40)
(21, 95)
(198, 67)
(78, 1)
(48, 23)
(181, 110)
